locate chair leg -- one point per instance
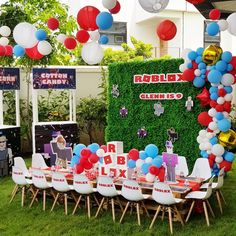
(121, 207)
(222, 196)
(74, 197)
(206, 213)
(77, 204)
(209, 206)
(138, 214)
(44, 199)
(190, 211)
(65, 202)
(145, 208)
(14, 192)
(179, 216)
(54, 203)
(163, 213)
(170, 220)
(23, 196)
(113, 209)
(96, 200)
(54, 196)
(219, 201)
(126, 207)
(34, 197)
(88, 206)
(100, 207)
(155, 216)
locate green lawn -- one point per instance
(15, 220)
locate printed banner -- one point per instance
(45, 78)
(9, 79)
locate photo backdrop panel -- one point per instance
(141, 112)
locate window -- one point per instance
(208, 40)
(117, 34)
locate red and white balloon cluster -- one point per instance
(5, 48)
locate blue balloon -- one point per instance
(224, 125)
(219, 116)
(151, 150)
(204, 154)
(142, 155)
(41, 34)
(229, 156)
(18, 51)
(214, 77)
(228, 89)
(229, 67)
(74, 161)
(198, 82)
(202, 66)
(93, 147)
(78, 149)
(192, 55)
(103, 39)
(213, 90)
(213, 29)
(104, 20)
(157, 161)
(203, 76)
(198, 59)
(214, 96)
(226, 56)
(131, 164)
(203, 71)
(101, 160)
(145, 168)
(189, 65)
(200, 51)
(221, 65)
(213, 140)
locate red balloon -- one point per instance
(93, 158)
(195, 65)
(88, 165)
(195, 1)
(204, 97)
(154, 170)
(82, 36)
(188, 75)
(2, 50)
(212, 157)
(219, 108)
(53, 23)
(221, 92)
(86, 18)
(166, 30)
(214, 14)
(209, 130)
(161, 175)
(104, 147)
(9, 50)
(70, 43)
(204, 119)
(79, 169)
(85, 152)
(116, 9)
(211, 163)
(83, 160)
(134, 154)
(33, 53)
(226, 164)
(213, 103)
(227, 106)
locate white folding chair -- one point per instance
(38, 161)
(201, 195)
(107, 189)
(131, 191)
(216, 188)
(40, 182)
(20, 163)
(21, 182)
(60, 184)
(181, 167)
(83, 186)
(201, 169)
(162, 194)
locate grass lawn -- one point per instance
(15, 220)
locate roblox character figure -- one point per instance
(115, 91)
(189, 104)
(158, 109)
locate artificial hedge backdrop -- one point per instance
(141, 112)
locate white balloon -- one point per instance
(44, 48)
(217, 131)
(92, 53)
(231, 21)
(109, 4)
(24, 35)
(183, 67)
(61, 38)
(212, 112)
(153, 6)
(227, 79)
(148, 160)
(202, 146)
(4, 41)
(94, 35)
(218, 150)
(139, 163)
(150, 177)
(202, 133)
(228, 97)
(209, 135)
(208, 151)
(213, 126)
(197, 72)
(100, 152)
(208, 146)
(226, 114)
(223, 24)
(220, 100)
(185, 52)
(220, 86)
(219, 159)
(199, 139)
(5, 31)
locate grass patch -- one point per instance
(15, 220)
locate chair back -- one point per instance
(20, 163)
(39, 179)
(201, 169)
(209, 188)
(18, 176)
(131, 190)
(162, 194)
(82, 184)
(106, 187)
(38, 161)
(220, 181)
(59, 182)
(182, 166)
